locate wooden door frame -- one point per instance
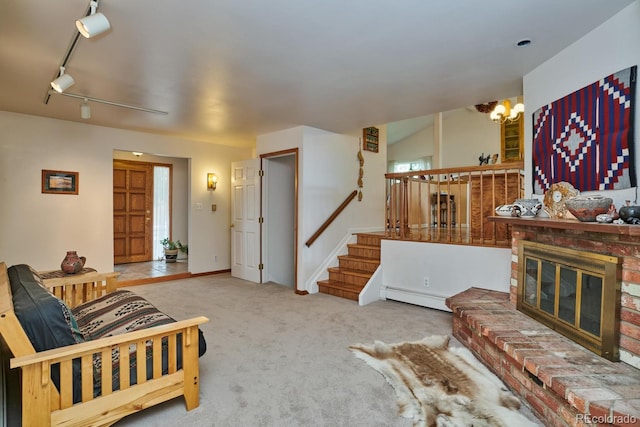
(152, 165)
(267, 156)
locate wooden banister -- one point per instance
(452, 204)
(333, 216)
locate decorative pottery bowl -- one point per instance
(630, 214)
(526, 207)
(587, 208)
(504, 210)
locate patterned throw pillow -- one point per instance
(71, 321)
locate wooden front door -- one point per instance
(132, 211)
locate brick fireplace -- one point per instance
(574, 292)
(622, 241)
(565, 383)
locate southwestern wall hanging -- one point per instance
(586, 138)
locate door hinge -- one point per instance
(261, 220)
(261, 172)
(261, 266)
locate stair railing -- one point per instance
(333, 216)
(452, 204)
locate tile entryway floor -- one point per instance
(150, 270)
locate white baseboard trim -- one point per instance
(331, 260)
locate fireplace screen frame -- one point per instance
(584, 264)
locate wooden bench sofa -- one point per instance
(69, 385)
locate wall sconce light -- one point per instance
(63, 82)
(136, 153)
(93, 24)
(212, 180)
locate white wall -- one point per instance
(328, 172)
(450, 269)
(38, 228)
(613, 46)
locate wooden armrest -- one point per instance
(36, 370)
(90, 347)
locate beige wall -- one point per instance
(38, 228)
(466, 135)
(328, 172)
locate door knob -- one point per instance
(232, 225)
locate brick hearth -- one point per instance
(564, 383)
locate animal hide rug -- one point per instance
(441, 386)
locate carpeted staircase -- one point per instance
(354, 269)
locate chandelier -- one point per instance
(504, 112)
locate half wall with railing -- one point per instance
(452, 205)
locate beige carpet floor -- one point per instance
(275, 358)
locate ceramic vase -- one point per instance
(526, 207)
(72, 263)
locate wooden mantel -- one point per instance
(569, 224)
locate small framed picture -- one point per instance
(370, 139)
(59, 182)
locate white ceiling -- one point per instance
(228, 70)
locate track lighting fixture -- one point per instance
(104, 101)
(85, 110)
(93, 24)
(63, 82)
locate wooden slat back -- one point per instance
(75, 290)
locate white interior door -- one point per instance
(245, 226)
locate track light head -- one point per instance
(94, 24)
(85, 110)
(63, 82)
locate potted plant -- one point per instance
(171, 249)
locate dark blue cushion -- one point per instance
(42, 317)
(40, 313)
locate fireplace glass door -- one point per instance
(576, 293)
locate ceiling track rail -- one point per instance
(67, 55)
(104, 101)
(63, 65)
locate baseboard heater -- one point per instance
(412, 296)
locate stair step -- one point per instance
(358, 263)
(339, 289)
(355, 269)
(369, 239)
(354, 277)
(364, 251)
